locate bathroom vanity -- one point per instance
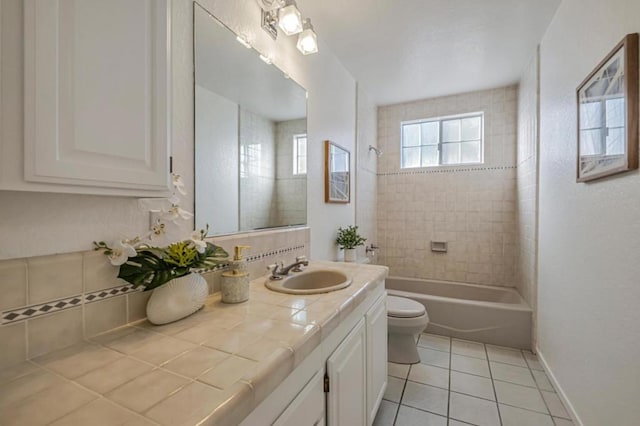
(276, 359)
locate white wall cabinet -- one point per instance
(376, 330)
(97, 96)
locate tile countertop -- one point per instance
(213, 367)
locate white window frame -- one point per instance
(296, 155)
(440, 120)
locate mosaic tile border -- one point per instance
(457, 170)
(33, 311)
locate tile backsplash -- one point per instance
(51, 302)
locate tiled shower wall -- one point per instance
(527, 205)
(291, 190)
(51, 302)
(472, 208)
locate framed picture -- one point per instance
(336, 174)
(608, 114)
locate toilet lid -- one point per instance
(401, 307)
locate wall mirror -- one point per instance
(608, 114)
(336, 174)
(250, 136)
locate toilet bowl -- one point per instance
(405, 319)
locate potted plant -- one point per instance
(348, 239)
(172, 271)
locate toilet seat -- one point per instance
(401, 307)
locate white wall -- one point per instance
(589, 240)
(36, 224)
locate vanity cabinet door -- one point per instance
(346, 371)
(308, 407)
(97, 91)
(376, 319)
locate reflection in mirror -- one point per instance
(336, 174)
(250, 131)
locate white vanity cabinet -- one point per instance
(376, 324)
(309, 406)
(97, 105)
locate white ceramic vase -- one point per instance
(177, 299)
(350, 255)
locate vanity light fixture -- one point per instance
(243, 41)
(307, 40)
(290, 18)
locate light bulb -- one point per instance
(307, 40)
(290, 19)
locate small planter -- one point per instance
(350, 255)
(177, 299)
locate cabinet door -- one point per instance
(376, 356)
(308, 407)
(346, 369)
(97, 85)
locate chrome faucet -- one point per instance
(278, 270)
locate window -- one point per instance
(445, 141)
(250, 159)
(299, 154)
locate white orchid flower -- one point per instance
(178, 184)
(199, 243)
(158, 230)
(120, 253)
(174, 199)
(174, 213)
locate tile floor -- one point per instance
(459, 382)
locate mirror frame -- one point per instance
(329, 183)
(627, 49)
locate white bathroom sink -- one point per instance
(311, 282)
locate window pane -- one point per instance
(411, 135)
(591, 142)
(430, 155)
(451, 130)
(302, 146)
(470, 128)
(615, 141)
(470, 152)
(615, 112)
(451, 153)
(411, 157)
(429, 132)
(302, 165)
(590, 115)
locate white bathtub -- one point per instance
(496, 315)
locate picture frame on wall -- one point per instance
(608, 114)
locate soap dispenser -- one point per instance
(235, 282)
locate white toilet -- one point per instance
(405, 318)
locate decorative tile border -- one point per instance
(456, 170)
(32, 311)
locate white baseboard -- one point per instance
(558, 388)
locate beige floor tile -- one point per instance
(506, 355)
(400, 371)
(467, 348)
(456, 423)
(228, 372)
(188, 406)
(110, 376)
(465, 364)
(511, 373)
(386, 414)
(101, 412)
(512, 416)
(554, 404)
(562, 422)
(437, 358)
(469, 384)
(542, 381)
(78, 359)
(27, 386)
(147, 390)
(426, 398)
(45, 406)
(408, 416)
(196, 361)
(159, 351)
(433, 341)
(16, 371)
(474, 410)
(532, 361)
(429, 375)
(520, 396)
(394, 389)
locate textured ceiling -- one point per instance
(402, 50)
